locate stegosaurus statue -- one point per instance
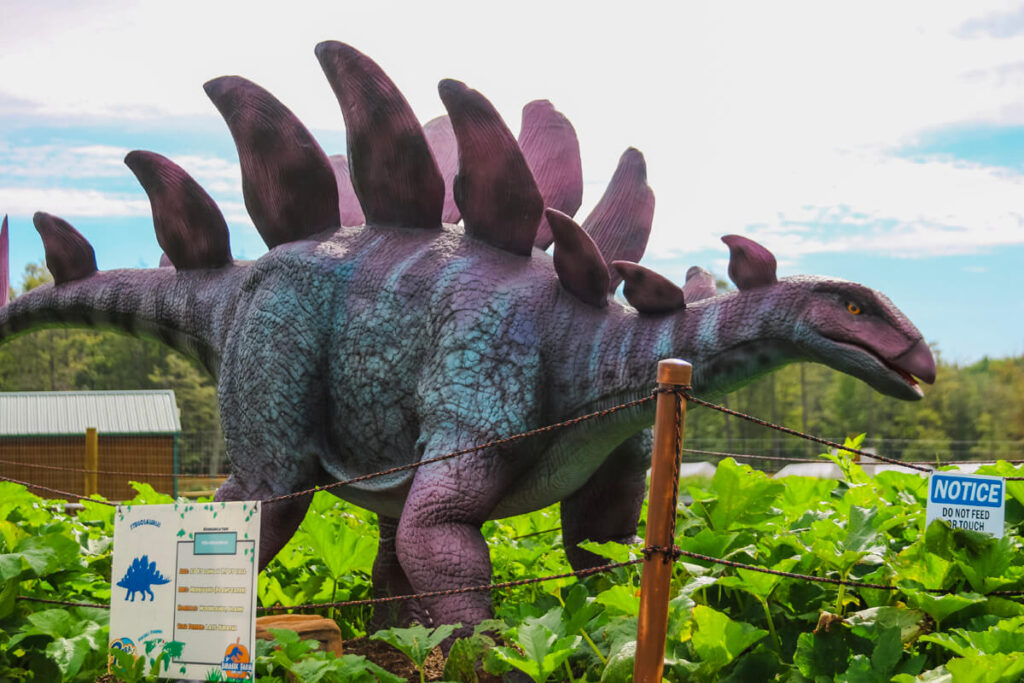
(376, 332)
(141, 575)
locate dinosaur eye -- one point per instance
(853, 308)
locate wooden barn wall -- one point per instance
(146, 457)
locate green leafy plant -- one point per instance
(724, 624)
(467, 653)
(416, 642)
(130, 668)
(539, 646)
(287, 657)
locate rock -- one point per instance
(308, 626)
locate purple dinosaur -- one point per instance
(350, 350)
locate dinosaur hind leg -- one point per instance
(607, 507)
(389, 579)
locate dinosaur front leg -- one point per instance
(607, 507)
(278, 520)
(389, 579)
(272, 399)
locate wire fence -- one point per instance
(202, 463)
(911, 450)
(646, 553)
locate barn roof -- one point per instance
(35, 413)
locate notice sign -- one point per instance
(967, 501)
(184, 583)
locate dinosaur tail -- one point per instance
(187, 310)
(290, 192)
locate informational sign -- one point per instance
(184, 584)
(968, 501)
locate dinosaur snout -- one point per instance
(917, 361)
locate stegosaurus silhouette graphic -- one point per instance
(140, 576)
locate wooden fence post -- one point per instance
(661, 513)
(92, 461)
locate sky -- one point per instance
(878, 142)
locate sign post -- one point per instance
(184, 580)
(967, 501)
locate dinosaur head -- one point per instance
(857, 330)
(844, 325)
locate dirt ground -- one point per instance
(384, 655)
(387, 657)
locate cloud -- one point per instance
(70, 203)
(76, 180)
(785, 125)
(57, 161)
(857, 202)
(1000, 76)
(994, 25)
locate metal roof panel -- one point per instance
(72, 412)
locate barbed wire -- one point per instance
(750, 456)
(793, 432)
(57, 491)
(647, 553)
(921, 466)
(821, 579)
(64, 603)
(678, 392)
(816, 439)
(691, 451)
(786, 458)
(466, 451)
(110, 472)
(579, 573)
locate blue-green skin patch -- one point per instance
(362, 349)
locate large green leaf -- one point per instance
(743, 495)
(1006, 637)
(862, 530)
(822, 654)
(938, 607)
(49, 553)
(985, 668)
(908, 622)
(718, 639)
(70, 653)
(620, 599)
(341, 548)
(540, 649)
(758, 584)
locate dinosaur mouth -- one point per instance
(908, 378)
(900, 376)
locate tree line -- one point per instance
(973, 411)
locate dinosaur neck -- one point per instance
(730, 339)
(734, 338)
(614, 362)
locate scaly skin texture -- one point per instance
(345, 351)
(362, 349)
